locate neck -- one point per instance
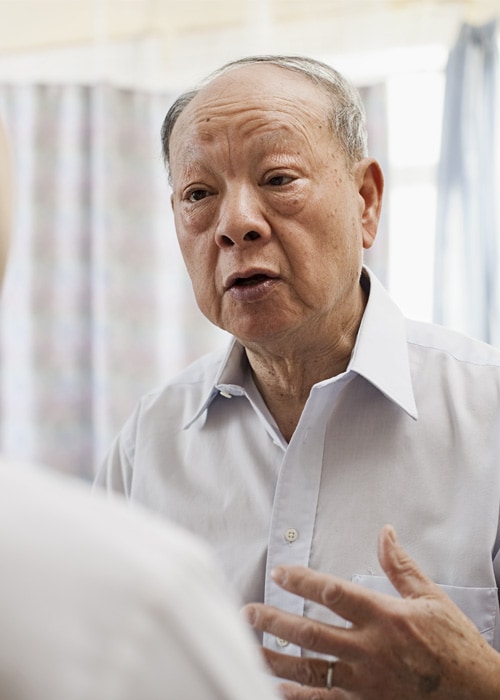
(286, 370)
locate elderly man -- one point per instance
(329, 414)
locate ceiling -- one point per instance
(184, 39)
(28, 24)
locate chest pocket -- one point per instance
(479, 604)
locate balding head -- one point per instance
(346, 112)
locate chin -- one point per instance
(261, 335)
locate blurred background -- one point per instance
(97, 307)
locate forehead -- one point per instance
(258, 97)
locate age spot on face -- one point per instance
(429, 683)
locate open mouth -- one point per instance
(249, 281)
(251, 287)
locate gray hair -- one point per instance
(347, 111)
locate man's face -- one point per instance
(267, 213)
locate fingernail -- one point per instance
(391, 534)
(249, 614)
(279, 575)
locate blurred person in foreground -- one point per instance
(103, 602)
(329, 414)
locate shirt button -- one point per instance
(291, 535)
(281, 642)
(226, 394)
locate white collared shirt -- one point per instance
(408, 435)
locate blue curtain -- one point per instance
(467, 291)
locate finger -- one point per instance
(315, 673)
(303, 631)
(401, 570)
(310, 672)
(290, 691)
(350, 601)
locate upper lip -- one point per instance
(246, 274)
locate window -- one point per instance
(414, 109)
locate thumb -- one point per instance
(401, 570)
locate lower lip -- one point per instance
(252, 292)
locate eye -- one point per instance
(279, 180)
(197, 195)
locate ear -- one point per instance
(370, 181)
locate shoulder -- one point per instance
(429, 339)
(448, 364)
(181, 395)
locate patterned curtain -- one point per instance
(467, 288)
(97, 308)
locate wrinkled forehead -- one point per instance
(261, 82)
(250, 97)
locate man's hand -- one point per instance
(417, 646)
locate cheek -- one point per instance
(290, 203)
(195, 259)
(190, 240)
(196, 217)
(201, 263)
(343, 226)
(203, 288)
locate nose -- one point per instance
(242, 219)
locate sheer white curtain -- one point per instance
(97, 307)
(467, 287)
(375, 101)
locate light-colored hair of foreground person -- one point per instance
(5, 199)
(347, 115)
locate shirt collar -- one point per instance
(380, 355)
(229, 380)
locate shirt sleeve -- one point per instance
(116, 471)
